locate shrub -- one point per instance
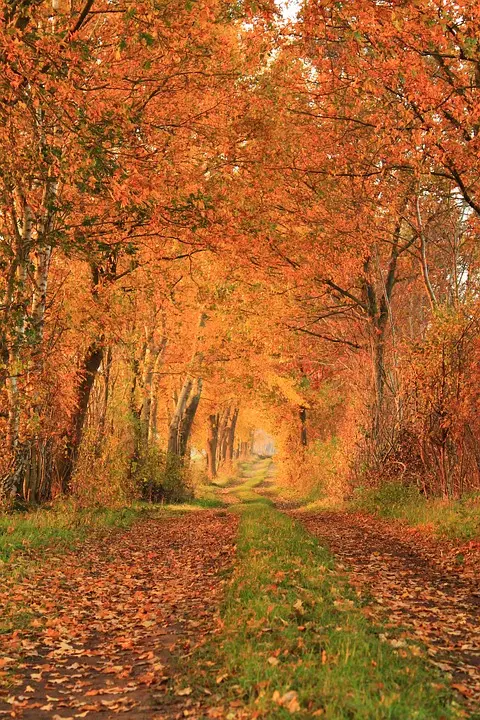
(317, 471)
(388, 500)
(161, 477)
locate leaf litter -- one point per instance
(114, 622)
(414, 583)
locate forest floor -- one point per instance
(240, 613)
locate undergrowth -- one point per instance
(456, 519)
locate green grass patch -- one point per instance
(195, 505)
(455, 519)
(205, 494)
(207, 502)
(253, 475)
(223, 482)
(295, 639)
(60, 525)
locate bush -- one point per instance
(317, 471)
(102, 478)
(389, 500)
(161, 477)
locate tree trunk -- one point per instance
(40, 283)
(152, 360)
(188, 418)
(147, 376)
(303, 431)
(152, 421)
(212, 442)
(91, 364)
(174, 430)
(231, 436)
(16, 304)
(186, 404)
(223, 437)
(22, 312)
(102, 421)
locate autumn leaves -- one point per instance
(308, 188)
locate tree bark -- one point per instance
(90, 366)
(223, 436)
(303, 431)
(154, 352)
(212, 442)
(186, 404)
(231, 436)
(423, 256)
(102, 421)
(174, 430)
(188, 418)
(152, 425)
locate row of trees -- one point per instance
(206, 208)
(112, 118)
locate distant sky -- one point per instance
(289, 8)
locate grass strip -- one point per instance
(295, 640)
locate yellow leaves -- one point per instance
(344, 605)
(184, 691)
(298, 605)
(286, 387)
(288, 700)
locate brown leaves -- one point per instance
(288, 700)
(113, 620)
(415, 581)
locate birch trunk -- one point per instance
(154, 353)
(174, 430)
(186, 404)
